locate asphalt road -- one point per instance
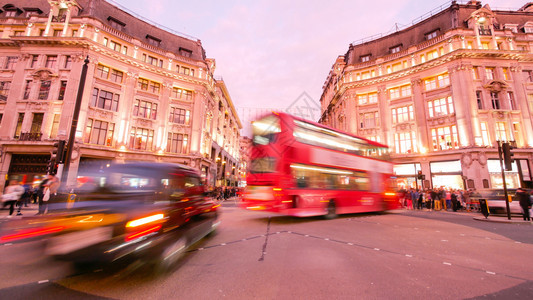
(257, 255)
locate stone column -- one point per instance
(521, 98)
(464, 101)
(383, 112)
(419, 106)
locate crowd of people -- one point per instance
(436, 199)
(18, 194)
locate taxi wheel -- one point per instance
(170, 256)
(331, 210)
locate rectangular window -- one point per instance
(402, 91)
(18, 33)
(152, 40)
(125, 50)
(501, 131)
(517, 133)
(177, 143)
(495, 98)
(179, 116)
(33, 62)
(365, 58)
(116, 76)
(57, 32)
(11, 61)
(512, 103)
(27, 90)
(102, 71)
(431, 35)
(154, 87)
(55, 126)
(144, 109)
(18, 129)
(403, 114)
(68, 62)
(37, 123)
(445, 138)
(370, 120)
(4, 90)
(51, 61)
(142, 84)
(405, 142)
(185, 70)
(62, 89)
(440, 107)
(105, 100)
(141, 138)
(44, 90)
(506, 74)
(114, 45)
(152, 60)
(475, 73)
(395, 49)
(185, 52)
(479, 99)
(485, 134)
(489, 73)
(176, 93)
(118, 25)
(99, 132)
(437, 82)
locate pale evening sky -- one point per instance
(269, 52)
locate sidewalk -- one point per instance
(29, 211)
(502, 219)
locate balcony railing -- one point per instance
(30, 136)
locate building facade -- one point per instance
(149, 93)
(442, 93)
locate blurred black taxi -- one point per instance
(151, 211)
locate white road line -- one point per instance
(351, 244)
(447, 263)
(408, 255)
(223, 244)
(42, 281)
(443, 240)
(491, 273)
(377, 249)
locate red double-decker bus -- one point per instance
(302, 168)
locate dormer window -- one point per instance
(185, 52)
(32, 12)
(528, 29)
(433, 34)
(395, 49)
(117, 24)
(152, 40)
(365, 58)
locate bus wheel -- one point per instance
(331, 211)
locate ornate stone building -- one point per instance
(149, 92)
(442, 93)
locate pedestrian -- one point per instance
(525, 202)
(434, 200)
(43, 204)
(11, 195)
(454, 200)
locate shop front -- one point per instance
(407, 176)
(512, 177)
(447, 174)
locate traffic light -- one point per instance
(421, 176)
(507, 156)
(58, 151)
(51, 168)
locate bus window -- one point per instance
(263, 165)
(265, 130)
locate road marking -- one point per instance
(326, 239)
(200, 249)
(223, 244)
(518, 242)
(351, 244)
(443, 240)
(307, 235)
(42, 281)
(462, 234)
(487, 238)
(408, 255)
(377, 249)
(491, 273)
(447, 263)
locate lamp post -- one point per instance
(75, 116)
